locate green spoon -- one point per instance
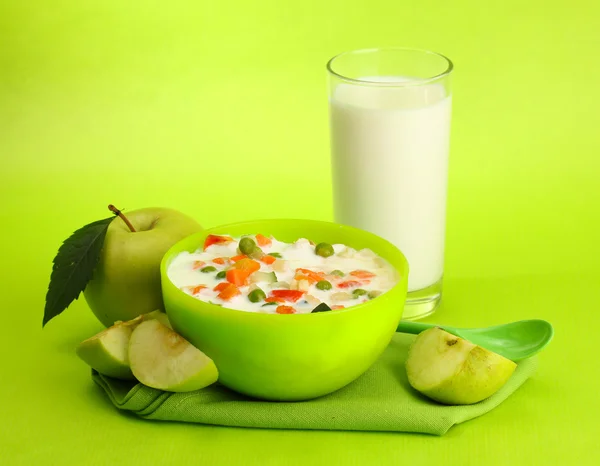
(515, 341)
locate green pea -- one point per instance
(275, 254)
(257, 295)
(373, 294)
(324, 250)
(247, 245)
(269, 304)
(323, 285)
(359, 292)
(337, 273)
(222, 274)
(208, 269)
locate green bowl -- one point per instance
(297, 356)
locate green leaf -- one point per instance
(73, 267)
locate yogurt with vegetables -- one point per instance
(261, 274)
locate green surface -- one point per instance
(152, 103)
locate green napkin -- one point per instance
(380, 400)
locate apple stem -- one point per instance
(117, 212)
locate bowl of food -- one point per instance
(287, 309)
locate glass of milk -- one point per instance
(390, 112)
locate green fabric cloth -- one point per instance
(379, 400)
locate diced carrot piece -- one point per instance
(221, 286)
(196, 289)
(362, 274)
(263, 240)
(273, 299)
(337, 306)
(247, 264)
(229, 292)
(239, 258)
(221, 260)
(285, 310)
(312, 277)
(197, 264)
(216, 239)
(238, 277)
(288, 295)
(349, 284)
(268, 260)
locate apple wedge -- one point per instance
(108, 351)
(160, 358)
(452, 370)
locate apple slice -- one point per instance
(108, 351)
(452, 370)
(163, 359)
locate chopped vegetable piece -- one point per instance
(288, 295)
(310, 299)
(279, 265)
(208, 269)
(312, 277)
(303, 285)
(275, 254)
(270, 303)
(362, 274)
(257, 295)
(336, 307)
(238, 277)
(221, 260)
(324, 250)
(221, 286)
(321, 308)
(359, 292)
(349, 284)
(268, 277)
(239, 258)
(196, 289)
(273, 299)
(247, 264)
(323, 285)
(268, 259)
(229, 292)
(221, 274)
(216, 239)
(285, 310)
(283, 285)
(343, 296)
(197, 264)
(337, 273)
(247, 245)
(373, 294)
(263, 240)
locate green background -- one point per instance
(219, 109)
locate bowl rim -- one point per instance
(402, 282)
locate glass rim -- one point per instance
(416, 82)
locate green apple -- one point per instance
(108, 351)
(452, 370)
(163, 359)
(126, 280)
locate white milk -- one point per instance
(390, 163)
